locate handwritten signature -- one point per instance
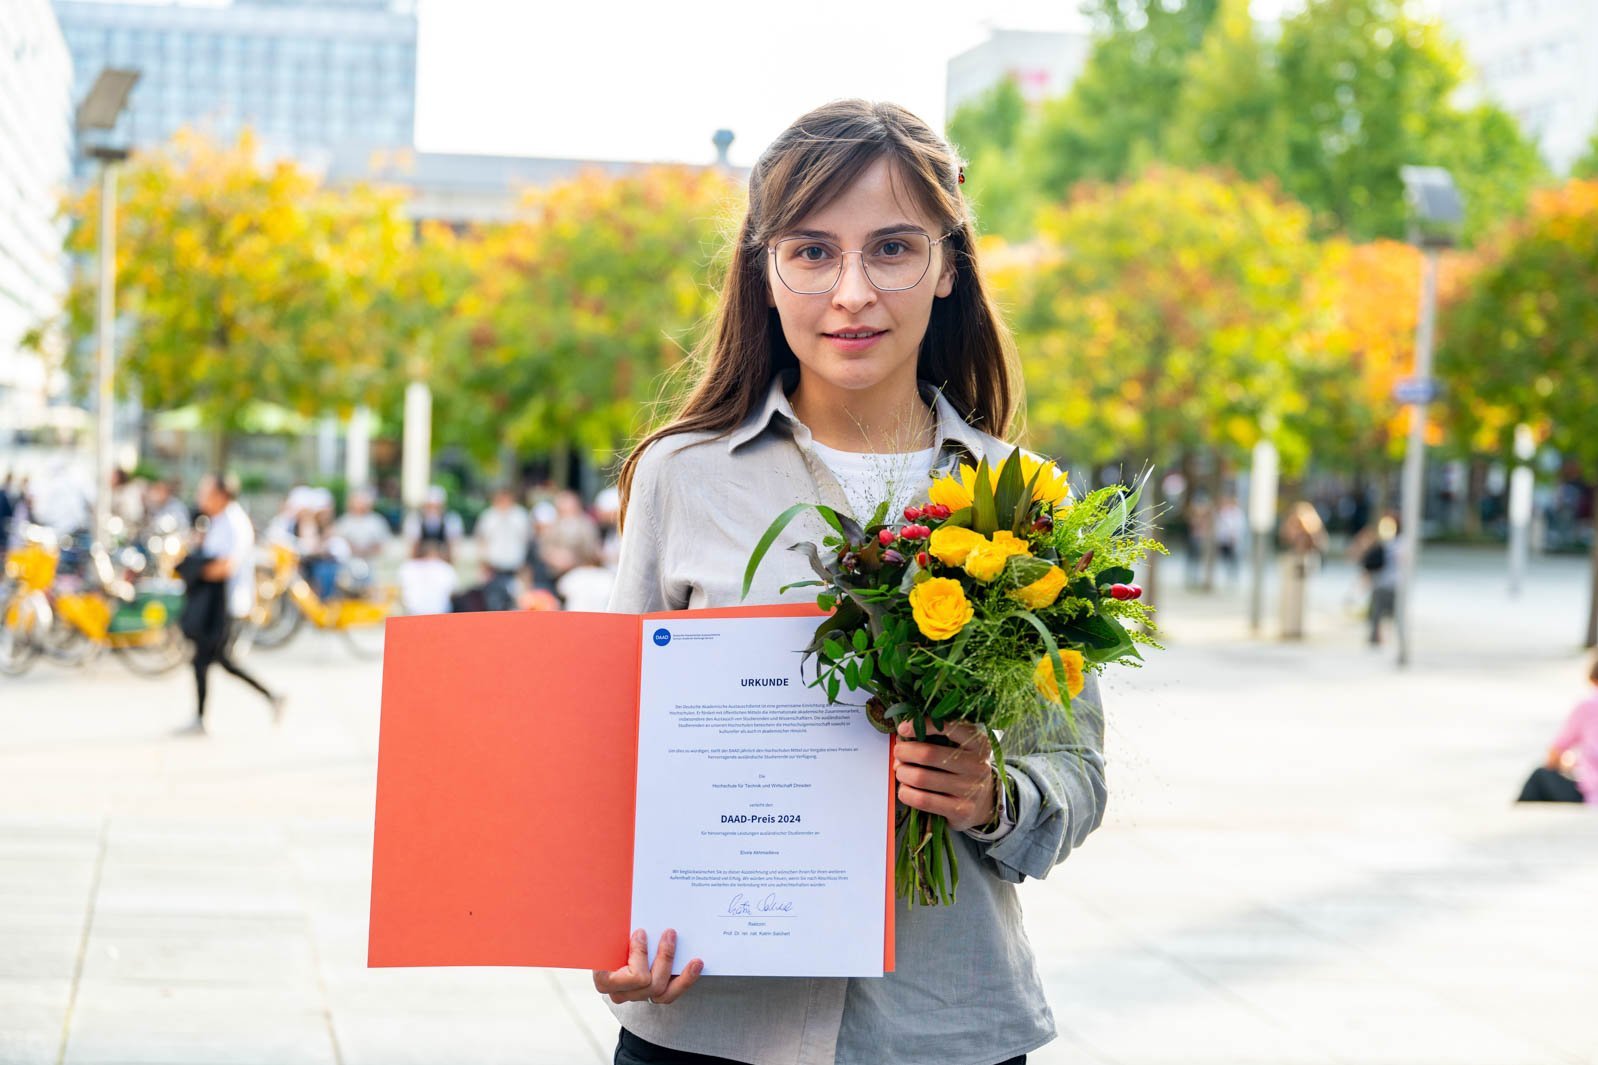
(741, 905)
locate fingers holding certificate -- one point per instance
(762, 810)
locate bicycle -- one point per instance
(285, 601)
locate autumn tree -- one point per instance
(237, 281)
(1523, 338)
(577, 308)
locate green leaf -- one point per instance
(1116, 575)
(1022, 570)
(878, 516)
(867, 669)
(834, 649)
(861, 641)
(801, 584)
(851, 675)
(769, 537)
(1007, 491)
(826, 601)
(984, 515)
(832, 687)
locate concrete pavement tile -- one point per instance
(1390, 1022)
(132, 1024)
(547, 1038)
(32, 1015)
(39, 955)
(218, 959)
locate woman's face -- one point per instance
(856, 337)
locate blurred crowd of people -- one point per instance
(540, 549)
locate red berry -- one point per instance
(916, 532)
(937, 511)
(1137, 591)
(1120, 591)
(922, 559)
(886, 537)
(912, 513)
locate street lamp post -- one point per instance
(99, 112)
(1435, 211)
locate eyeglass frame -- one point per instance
(771, 251)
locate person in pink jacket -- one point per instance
(1574, 750)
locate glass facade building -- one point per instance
(35, 165)
(306, 75)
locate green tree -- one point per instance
(1523, 339)
(1367, 87)
(1586, 168)
(1115, 118)
(1494, 163)
(987, 132)
(577, 309)
(1230, 109)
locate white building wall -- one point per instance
(35, 164)
(1538, 59)
(1043, 64)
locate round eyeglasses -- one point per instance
(809, 266)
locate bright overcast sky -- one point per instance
(653, 80)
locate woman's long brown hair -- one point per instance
(966, 351)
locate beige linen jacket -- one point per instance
(966, 989)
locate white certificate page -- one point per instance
(762, 829)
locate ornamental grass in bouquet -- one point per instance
(988, 604)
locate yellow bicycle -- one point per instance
(40, 614)
(285, 601)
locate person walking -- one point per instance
(220, 593)
(855, 349)
(1379, 561)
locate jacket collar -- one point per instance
(776, 410)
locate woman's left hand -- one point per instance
(955, 782)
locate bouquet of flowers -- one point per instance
(988, 604)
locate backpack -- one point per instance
(1374, 560)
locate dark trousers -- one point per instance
(1548, 785)
(219, 650)
(633, 1050)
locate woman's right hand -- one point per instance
(639, 980)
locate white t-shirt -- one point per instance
(867, 477)
(503, 535)
(426, 585)
(231, 536)
(364, 533)
(586, 588)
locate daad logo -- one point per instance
(662, 637)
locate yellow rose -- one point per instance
(953, 490)
(1043, 591)
(940, 608)
(950, 544)
(986, 560)
(1043, 676)
(1051, 487)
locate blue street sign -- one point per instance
(1410, 391)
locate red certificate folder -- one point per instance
(506, 784)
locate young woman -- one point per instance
(854, 346)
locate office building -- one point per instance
(307, 76)
(1043, 64)
(35, 164)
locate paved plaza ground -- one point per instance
(1309, 857)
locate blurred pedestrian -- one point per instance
(433, 524)
(1303, 538)
(164, 512)
(220, 578)
(1228, 530)
(365, 531)
(1379, 562)
(1200, 527)
(426, 580)
(585, 583)
(503, 532)
(573, 529)
(607, 509)
(8, 508)
(1571, 773)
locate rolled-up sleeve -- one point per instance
(1057, 764)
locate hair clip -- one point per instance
(961, 178)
